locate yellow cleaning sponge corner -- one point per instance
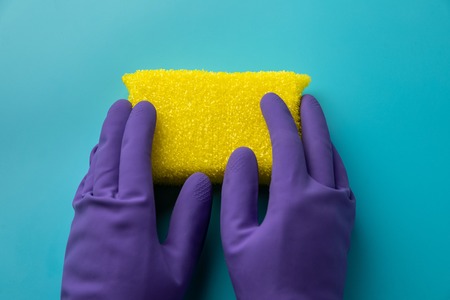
(203, 116)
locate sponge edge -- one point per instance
(203, 116)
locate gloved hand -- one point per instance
(113, 250)
(299, 251)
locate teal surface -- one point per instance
(381, 70)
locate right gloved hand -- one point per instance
(300, 249)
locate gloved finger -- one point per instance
(316, 141)
(106, 172)
(91, 156)
(189, 224)
(288, 159)
(340, 174)
(89, 178)
(239, 204)
(78, 193)
(135, 169)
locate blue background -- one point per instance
(381, 70)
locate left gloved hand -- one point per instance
(113, 250)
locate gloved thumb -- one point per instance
(189, 223)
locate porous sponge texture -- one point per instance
(203, 116)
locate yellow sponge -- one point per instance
(203, 116)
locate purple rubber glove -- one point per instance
(300, 249)
(113, 250)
